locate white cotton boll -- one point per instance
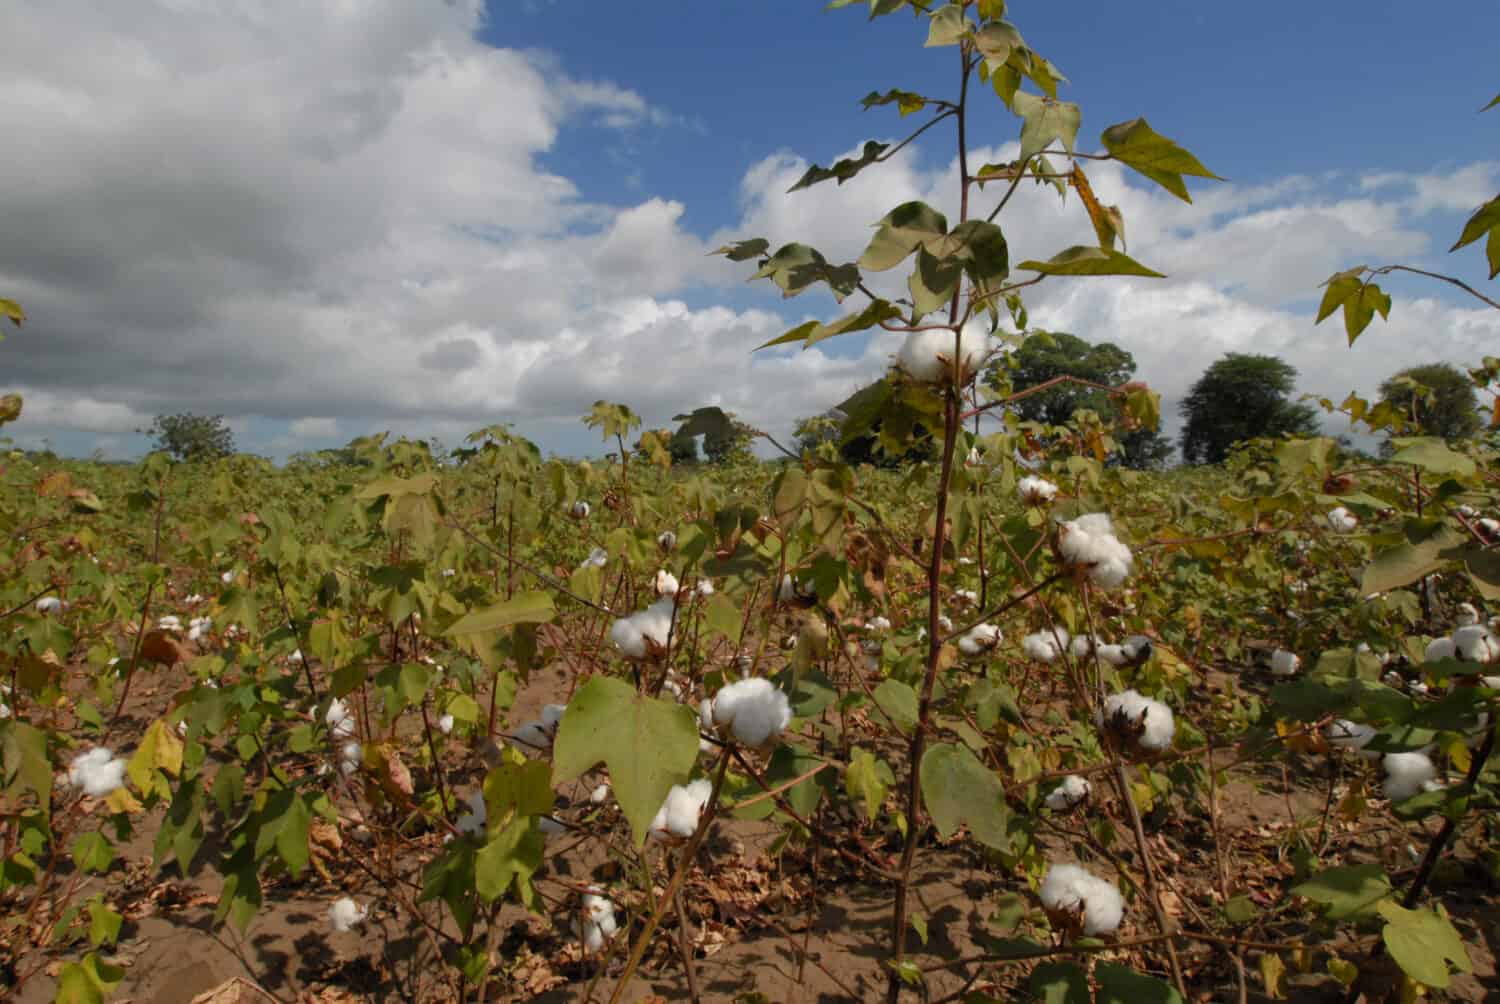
(98, 772)
(666, 583)
(678, 815)
(1341, 520)
(704, 587)
(965, 597)
(552, 714)
(1082, 646)
(296, 655)
(599, 795)
(672, 687)
(1417, 687)
(1474, 643)
(1467, 614)
(1493, 682)
(193, 600)
(1137, 648)
(928, 356)
(1489, 527)
(597, 558)
(1346, 735)
(598, 923)
(199, 627)
(532, 738)
(1408, 774)
(1114, 655)
(1467, 511)
(978, 639)
(973, 459)
(706, 714)
(1439, 648)
(667, 541)
(1046, 645)
(877, 625)
(473, 821)
(340, 721)
(1069, 793)
(1035, 491)
(227, 577)
(170, 622)
(345, 914)
(1284, 663)
(1128, 711)
(5, 712)
(579, 510)
(638, 634)
(445, 725)
(351, 755)
(49, 605)
(753, 710)
(1068, 889)
(1089, 542)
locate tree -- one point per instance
(1437, 398)
(192, 437)
(1047, 356)
(729, 442)
(1241, 397)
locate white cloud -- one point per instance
(314, 428)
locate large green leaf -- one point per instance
(1347, 892)
(1136, 144)
(1084, 260)
(523, 608)
(12, 310)
(958, 789)
(905, 101)
(1431, 454)
(1486, 220)
(844, 169)
(1045, 120)
(811, 332)
(1423, 943)
(899, 701)
(648, 745)
(996, 42)
(1360, 300)
(1059, 983)
(87, 981)
(901, 232)
(946, 26)
(510, 856)
(1121, 985)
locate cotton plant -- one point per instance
(1135, 721)
(751, 712)
(644, 634)
(339, 719)
(98, 772)
(979, 639)
(1077, 902)
(1036, 491)
(930, 357)
(1089, 544)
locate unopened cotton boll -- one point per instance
(98, 772)
(345, 914)
(929, 356)
(678, 815)
(1408, 774)
(1072, 791)
(1284, 663)
(1069, 891)
(979, 639)
(1139, 719)
(753, 710)
(445, 724)
(667, 541)
(1045, 646)
(666, 583)
(1035, 491)
(339, 720)
(1089, 542)
(1341, 520)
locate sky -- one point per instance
(327, 218)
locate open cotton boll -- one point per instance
(599, 795)
(579, 510)
(1070, 892)
(1082, 646)
(345, 914)
(704, 587)
(645, 632)
(1488, 526)
(666, 583)
(49, 605)
(1138, 719)
(597, 924)
(1045, 645)
(928, 356)
(973, 459)
(1114, 655)
(1035, 491)
(169, 622)
(1341, 520)
(1071, 792)
(666, 540)
(678, 815)
(198, 627)
(1408, 774)
(877, 625)
(193, 599)
(1467, 614)
(1346, 735)
(979, 639)
(1439, 648)
(1474, 643)
(597, 558)
(351, 755)
(445, 725)
(339, 719)
(1284, 663)
(965, 597)
(473, 821)
(1089, 542)
(753, 710)
(98, 772)
(1137, 649)
(227, 577)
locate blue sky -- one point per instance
(430, 217)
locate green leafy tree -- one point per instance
(1241, 397)
(192, 437)
(684, 449)
(1047, 356)
(728, 442)
(1438, 399)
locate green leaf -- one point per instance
(1059, 983)
(744, 250)
(1486, 220)
(1347, 892)
(947, 26)
(12, 310)
(1121, 985)
(1431, 454)
(1044, 120)
(1137, 145)
(1423, 943)
(795, 267)
(899, 701)
(995, 42)
(512, 855)
(1360, 300)
(104, 924)
(648, 745)
(900, 232)
(523, 608)
(866, 780)
(87, 981)
(92, 852)
(958, 789)
(1492, 104)
(1084, 260)
(842, 170)
(905, 101)
(23, 755)
(812, 332)
(517, 789)
(463, 708)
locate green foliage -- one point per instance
(187, 436)
(1438, 398)
(1238, 398)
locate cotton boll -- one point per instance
(1341, 520)
(445, 725)
(597, 558)
(599, 795)
(340, 721)
(1137, 649)
(965, 597)
(1045, 646)
(877, 625)
(679, 814)
(1114, 655)
(1467, 511)
(666, 541)
(1139, 720)
(170, 622)
(1346, 735)
(1489, 527)
(193, 599)
(753, 710)
(49, 605)
(1439, 648)
(646, 632)
(1035, 491)
(1467, 614)
(1284, 663)
(979, 639)
(579, 510)
(973, 459)
(1072, 791)
(598, 923)
(1082, 646)
(1081, 901)
(1493, 682)
(928, 356)
(227, 577)
(473, 821)
(351, 755)
(345, 914)
(1474, 643)
(666, 583)
(1408, 774)
(704, 587)
(98, 772)
(533, 738)
(1089, 542)
(199, 627)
